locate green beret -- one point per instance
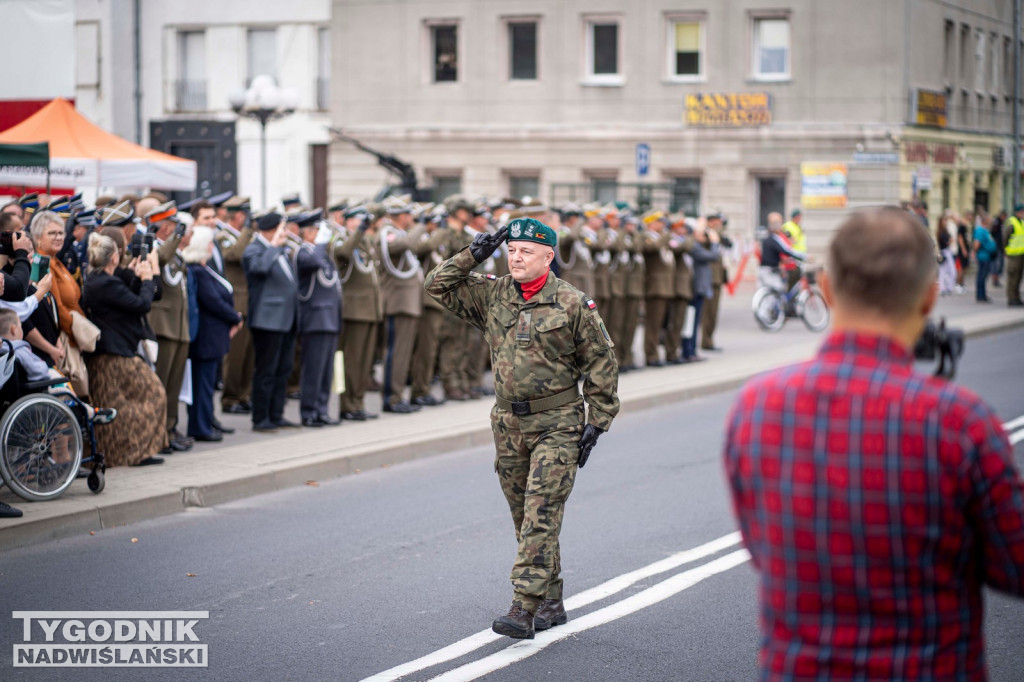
(531, 230)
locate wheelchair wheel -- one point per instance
(768, 310)
(814, 310)
(40, 447)
(97, 481)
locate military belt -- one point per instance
(526, 407)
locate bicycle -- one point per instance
(771, 306)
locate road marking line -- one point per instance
(1017, 437)
(652, 595)
(597, 593)
(1013, 423)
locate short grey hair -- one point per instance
(40, 221)
(197, 250)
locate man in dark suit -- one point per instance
(273, 303)
(319, 321)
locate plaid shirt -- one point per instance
(875, 502)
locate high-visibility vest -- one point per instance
(1015, 247)
(798, 242)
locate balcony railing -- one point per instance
(190, 95)
(323, 94)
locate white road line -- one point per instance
(652, 595)
(1013, 423)
(1016, 437)
(605, 589)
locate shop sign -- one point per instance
(823, 185)
(944, 153)
(930, 108)
(915, 152)
(728, 110)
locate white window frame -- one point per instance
(249, 73)
(755, 74)
(506, 30)
(671, 20)
(603, 79)
(428, 48)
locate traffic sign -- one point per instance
(643, 159)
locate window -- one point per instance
(771, 197)
(522, 185)
(323, 80)
(604, 51)
(965, 55)
(1007, 68)
(980, 50)
(604, 186)
(446, 184)
(444, 51)
(686, 195)
(685, 48)
(262, 53)
(993, 86)
(949, 46)
(771, 48)
(190, 88)
(522, 50)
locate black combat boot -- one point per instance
(551, 612)
(518, 624)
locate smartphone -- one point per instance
(40, 267)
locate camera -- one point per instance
(139, 248)
(947, 344)
(7, 243)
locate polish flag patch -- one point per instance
(491, 277)
(591, 304)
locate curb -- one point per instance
(328, 466)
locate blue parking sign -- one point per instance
(643, 159)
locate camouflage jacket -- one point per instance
(539, 347)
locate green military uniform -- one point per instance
(169, 319)
(709, 314)
(238, 365)
(540, 349)
(361, 312)
(635, 277)
(681, 246)
(659, 285)
(424, 354)
(456, 338)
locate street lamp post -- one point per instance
(264, 102)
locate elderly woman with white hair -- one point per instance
(218, 323)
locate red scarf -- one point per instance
(530, 288)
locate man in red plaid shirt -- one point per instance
(875, 501)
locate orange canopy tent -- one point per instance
(84, 155)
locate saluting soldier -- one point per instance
(545, 336)
(233, 237)
(659, 285)
(681, 245)
(719, 277)
(455, 333)
(604, 239)
(635, 276)
(169, 316)
(575, 241)
(319, 321)
(424, 355)
(353, 252)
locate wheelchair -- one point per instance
(42, 435)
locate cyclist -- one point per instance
(775, 250)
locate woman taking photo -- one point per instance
(118, 375)
(218, 323)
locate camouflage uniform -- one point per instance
(540, 348)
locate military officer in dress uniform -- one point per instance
(545, 336)
(319, 321)
(604, 239)
(659, 285)
(236, 234)
(455, 333)
(353, 250)
(635, 277)
(719, 277)
(424, 355)
(575, 242)
(169, 317)
(681, 245)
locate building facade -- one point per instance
(192, 55)
(743, 106)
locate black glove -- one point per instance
(484, 244)
(587, 442)
(366, 223)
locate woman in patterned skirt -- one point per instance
(118, 376)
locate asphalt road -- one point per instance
(354, 576)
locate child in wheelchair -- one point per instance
(37, 370)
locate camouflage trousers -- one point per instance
(536, 472)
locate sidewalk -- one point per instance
(249, 464)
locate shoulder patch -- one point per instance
(591, 304)
(490, 277)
